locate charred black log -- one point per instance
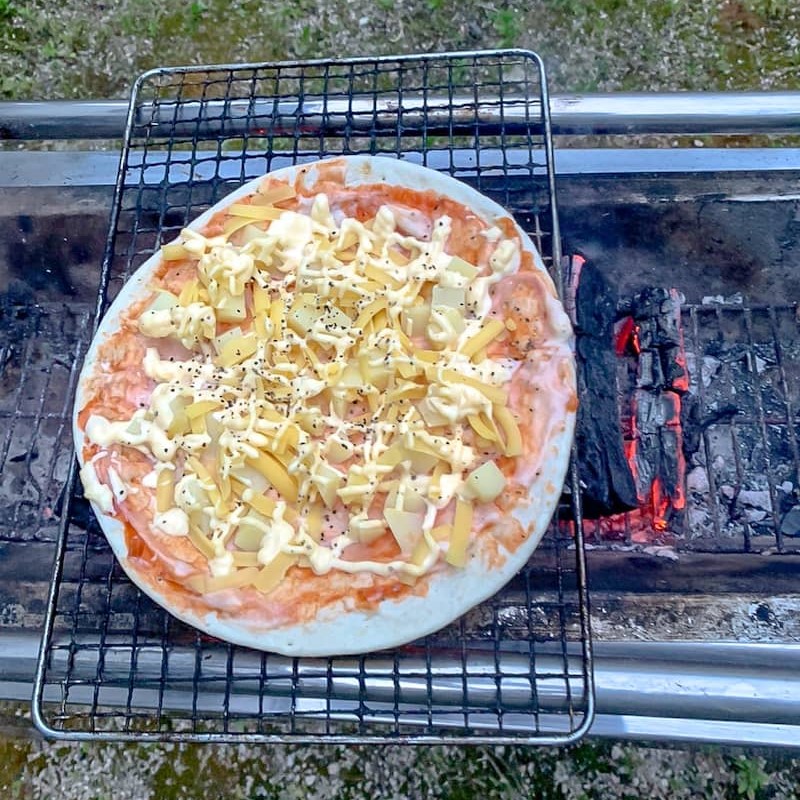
(608, 484)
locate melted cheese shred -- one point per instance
(338, 372)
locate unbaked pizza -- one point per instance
(334, 413)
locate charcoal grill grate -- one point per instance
(517, 668)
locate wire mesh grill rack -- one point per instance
(517, 668)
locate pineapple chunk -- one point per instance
(454, 297)
(486, 482)
(328, 482)
(231, 309)
(302, 317)
(164, 300)
(236, 349)
(463, 268)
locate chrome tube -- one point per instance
(612, 113)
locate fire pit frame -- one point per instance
(474, 683)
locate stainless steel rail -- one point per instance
(616, 113)
(692, 691)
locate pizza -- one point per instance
(335, 413)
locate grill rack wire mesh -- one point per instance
(113, 665)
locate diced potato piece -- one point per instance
(273, 573)
(486, 482)
(231, 309)
(406, 527)
(463, 268)
(272, 469)
(165, 485)
(328, 482)
(459, 539)
(237, 349)
(513, 443)
(490, 331)
(454, 297)
(415, 319)
(221, 340)
(163, 300)
(301, 319)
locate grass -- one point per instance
(74, 48)
(600, 770)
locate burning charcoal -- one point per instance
(608, 484)
(656, 448)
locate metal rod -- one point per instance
(738, 683)
(613, 113)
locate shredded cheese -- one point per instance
(346, 374)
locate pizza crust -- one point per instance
(511, 537)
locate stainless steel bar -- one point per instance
(612, 113)
(731, 682)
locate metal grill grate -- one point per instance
(517, 668)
